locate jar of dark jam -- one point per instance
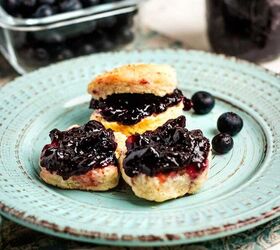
(249, 29)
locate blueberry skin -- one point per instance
(126, 35)
(54, 37)
(222, 143)
(65, 54)
(41, 54)
(107, 45)
(203, 102)
(230, 123)
(70, 5)
(44, 11)
(86, 49)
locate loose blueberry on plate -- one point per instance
(203, 102)
(222, 143)
(230, 123)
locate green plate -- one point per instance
(243, 189)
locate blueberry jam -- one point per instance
(129, 109)
(78, 150)
(169, 148)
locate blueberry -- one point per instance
(27, 7)
(107, 45)
(44, 11)
(88, 3)
(65, 54)
(230, 123)
(28, 3)
(203, 102)
(11, 6)
(41, 54)
(99, 39)
(222, 143)
(70, 5)
(125, 36)
(54, 37)
(87, 49)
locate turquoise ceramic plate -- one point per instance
(243, 189)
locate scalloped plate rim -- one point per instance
(66, 236)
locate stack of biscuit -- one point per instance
(138, 81)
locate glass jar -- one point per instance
(249, 29)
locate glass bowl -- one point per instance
(34, 42)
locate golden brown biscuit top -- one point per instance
(157, 79)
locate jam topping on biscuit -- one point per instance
(79, 149)
(129, 109)
(169, 148)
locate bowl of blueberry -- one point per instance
(35, 33)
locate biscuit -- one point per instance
(165, 186)
(154, 79)
(166, 163)
(96, 179)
